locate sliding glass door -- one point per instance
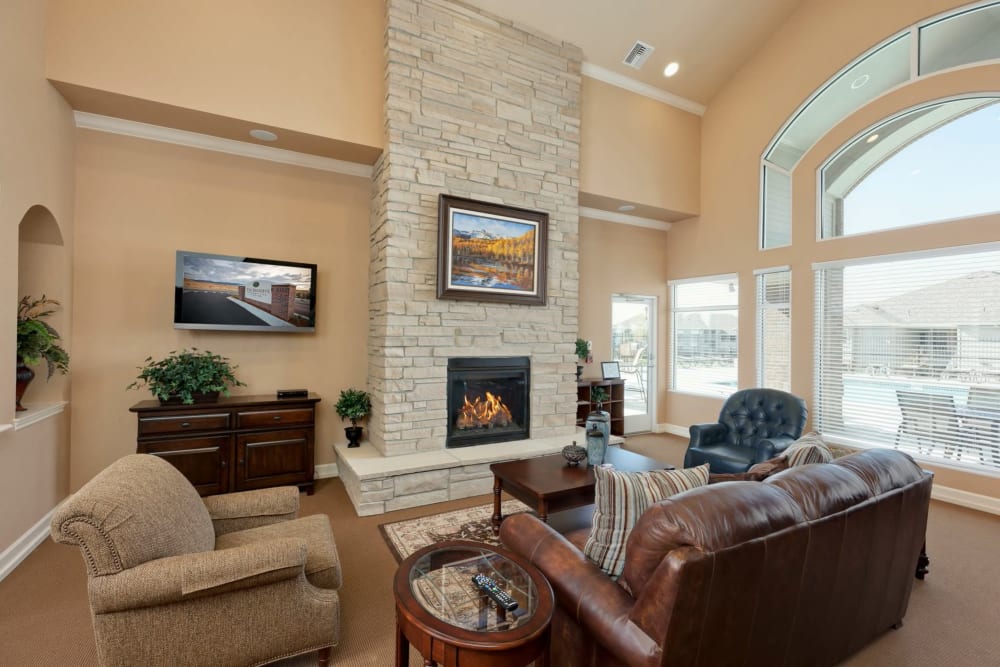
(633, 346)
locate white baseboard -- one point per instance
(24, 545)
(324, 470)
(673, 429)
(968, 499)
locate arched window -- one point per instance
(935, 163)
(957, 38)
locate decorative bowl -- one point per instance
(574, 454)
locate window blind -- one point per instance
(774, 330)
(908, 354)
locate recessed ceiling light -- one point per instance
(872, 139)
(860, 82)
(626, 207)
(264, 135)
(671, 69)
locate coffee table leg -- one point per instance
(497, 517)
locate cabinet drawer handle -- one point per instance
(277, 418)
(222, 464)
(185, 424)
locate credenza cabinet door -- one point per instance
(204, 461)
(273, 458)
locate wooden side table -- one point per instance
(449, 621)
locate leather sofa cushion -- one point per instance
(620, 498)
(704, 520)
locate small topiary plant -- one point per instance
(353, 404)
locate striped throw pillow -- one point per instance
(810, 448)
(620, 498)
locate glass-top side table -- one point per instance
(441, 581)
(441, 612)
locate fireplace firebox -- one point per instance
(488, 400)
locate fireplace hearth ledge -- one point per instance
(377, 484)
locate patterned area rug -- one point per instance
(472, 523)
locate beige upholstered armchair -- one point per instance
(175, 579)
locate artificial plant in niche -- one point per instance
(36, 340)
(188, 376)
(353, 404)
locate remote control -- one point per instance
(499, 596)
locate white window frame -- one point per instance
(674, 310)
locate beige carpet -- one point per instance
(473, 523)
(952, 617)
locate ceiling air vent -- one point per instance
(638, 54)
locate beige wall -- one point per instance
(314, 67)
(638, 150)
(36, 169)
(820, 38)
(621, 259)
(138, 203)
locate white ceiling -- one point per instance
(711, 39)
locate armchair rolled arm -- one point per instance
(248, 509)
(178, 578)
(768, 448)
(582, 590)
(707, 434)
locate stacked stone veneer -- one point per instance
(475, 107)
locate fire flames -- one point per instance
(482, 413)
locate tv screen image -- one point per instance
(243, 293)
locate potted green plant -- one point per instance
(353, 404)
(583, 348)
(188, 376)
(36, 340)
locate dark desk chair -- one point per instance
(755, 425)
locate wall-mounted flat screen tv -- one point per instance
(243, 293)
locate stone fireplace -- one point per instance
(476, 107)
(488, 400)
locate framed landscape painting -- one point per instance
(491, 252)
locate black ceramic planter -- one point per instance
(353, 434)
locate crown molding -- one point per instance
(622, 219)
(652, 92)
(131, 128)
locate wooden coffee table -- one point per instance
(547, 484)
(450, 621)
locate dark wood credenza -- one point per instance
(234, 444)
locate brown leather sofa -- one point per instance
(803, 568)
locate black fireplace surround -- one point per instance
(488, 400)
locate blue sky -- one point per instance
(469, 222)
(213, 269)
(952, 172)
